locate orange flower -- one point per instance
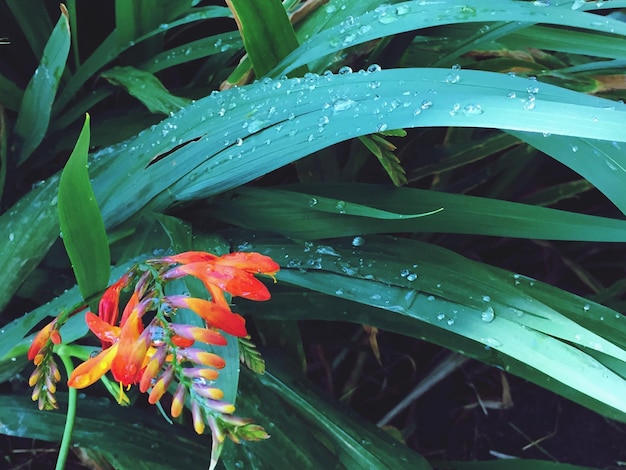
(195, 333)
(131, 351)
(108, 308)
(90, 371)
(124, 358)
(214, 314)
(48, 332)
(233, 273)
(189, 257)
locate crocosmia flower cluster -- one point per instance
(143, 344)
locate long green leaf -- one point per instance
(266, 32)
(146, 88)
(36, 105)
(308, 431)
(430, 293)
(288, 122)
(309, 211)
(387, 20)
(81, 225)
(112, 47)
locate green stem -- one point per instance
(71, 415)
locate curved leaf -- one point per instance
(487, 314)
(309, 211)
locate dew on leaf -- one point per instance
(345, 70)
(488, 315)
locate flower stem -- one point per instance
(71, 415)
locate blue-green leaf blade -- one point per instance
(36, 105)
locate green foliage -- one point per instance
(498, 102)
(82, 228)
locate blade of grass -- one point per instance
(310, 211)
(34, 114)
(146, 88)
(266, 32)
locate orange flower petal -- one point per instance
(103, 330)
(131, 306)
(91, 370)
(40, 340)
(197, 417)
(178, 401)
(161, 385)
(132, 349)
(251, 262)
(109, 303)
(182, 342)
(200, 373)
(213, 314)
(237, 282)
(200, 356)
(189, 257)
(152, 369)
(196, 333)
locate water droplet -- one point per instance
(402, 10)
(404, 273)
(441, 316)
(450, 322)
(339, 292)
(529, 104)
(341, 207)
(374, 68)
(494, 343)
(358, 241)
(312, 202)
(345, 70)
(426, 104)
(574, 148)
(343, 104)
(349, 39)
(411, 277)
(511, 95)
(11, 237)
(533, 89)
(472, 110)
(455, 109)
(542, 3)
(382, 127)
(488, 315)
(586, 307)
(486, 298)
(430, 298)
